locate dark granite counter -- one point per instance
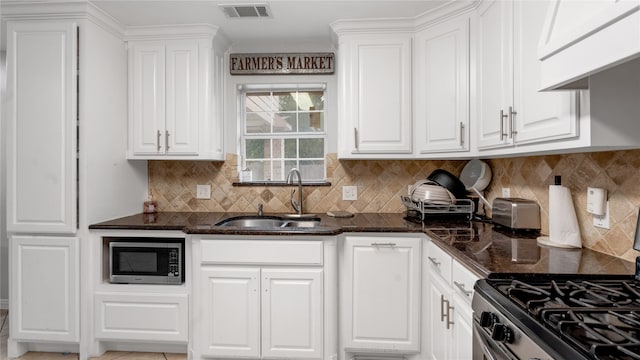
(481, 247)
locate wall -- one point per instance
(380, 184)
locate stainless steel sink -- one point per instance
(267, 222)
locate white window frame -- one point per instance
(242, 135)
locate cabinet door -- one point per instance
(540, 116)
(494, 73)
(441, 99)
(377, 92)
(44, 288)
(438, 328)
(181, 132)
(147, 98)
(41, 138)
(231, 322)
(462, 344)
(382, 294)
(292, 309)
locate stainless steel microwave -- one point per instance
(146, 262)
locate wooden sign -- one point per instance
(282, 64)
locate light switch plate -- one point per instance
(203, 191)
(602, 221)
(350, 193)
(506, 192)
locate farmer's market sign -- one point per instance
(282, 64)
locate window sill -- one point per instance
(280, 183)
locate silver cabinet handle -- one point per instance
(445, 311)
(433, 260)
(460, 286)
(355, 137)
(166, 140)
(511, 123)
(158, 141)
(502, 133)
(384, 244)
(461, 133)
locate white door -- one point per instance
(44, 288)
(41, 139)
(292, 309)
(494, 64)
(540, 115)
(382, 293)
(380, 97)
(181, 132)
(441, 82)
(439, 332)
(231, 312)
(462, 314)
(147, 98)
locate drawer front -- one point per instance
(463, 281)
(276, 252)
(141, 317)
(438, 262)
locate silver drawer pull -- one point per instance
(460, 286)
(384, 244)
(158, 141)
(433, 260)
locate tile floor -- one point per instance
(111, 355)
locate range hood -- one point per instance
(582, 38)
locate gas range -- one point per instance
(551, 316)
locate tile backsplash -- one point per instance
(381, 182)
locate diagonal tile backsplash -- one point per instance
(381, 182)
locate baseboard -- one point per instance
(4, 304)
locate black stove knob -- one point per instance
(487, 319)
(502, 333)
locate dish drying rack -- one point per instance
(461, 207)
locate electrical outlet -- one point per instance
(602, 221)
(203, 192)
(350, 193)
(506, 192)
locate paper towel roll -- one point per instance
(563, 222)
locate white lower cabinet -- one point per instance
(449, 289)
(44, 289)
(268, 307)
(380, 294)
(141, 317)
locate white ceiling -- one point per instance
(294, 21)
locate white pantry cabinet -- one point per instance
(447, 303)
(441, 87)
(380, 294)
(262, 299)
(374, 94)
(509, 109)
(174, 96)
(44, 283)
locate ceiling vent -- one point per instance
(246, 11)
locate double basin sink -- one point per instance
(268, 222)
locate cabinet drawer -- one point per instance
(281, 252)
(463, 281)
(143, 317)
(438, 262)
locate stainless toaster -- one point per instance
(516, 213)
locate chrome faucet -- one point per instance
(297, 205)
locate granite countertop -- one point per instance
(482, 247)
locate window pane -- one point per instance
(256, 102)
(278, 148)
(312, 169)
(258, 148)
(311, 100)
(258, 123)
(278, 172)
(288, 165)
(291, 148)
(286, 101)
(311, 122)
(260, 170)
(312, 148)
(285, 122)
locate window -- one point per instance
(283, 127)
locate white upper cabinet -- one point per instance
(41, 126)
(174, 109)
(441, 84)
(374, 95)
(509, 108)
